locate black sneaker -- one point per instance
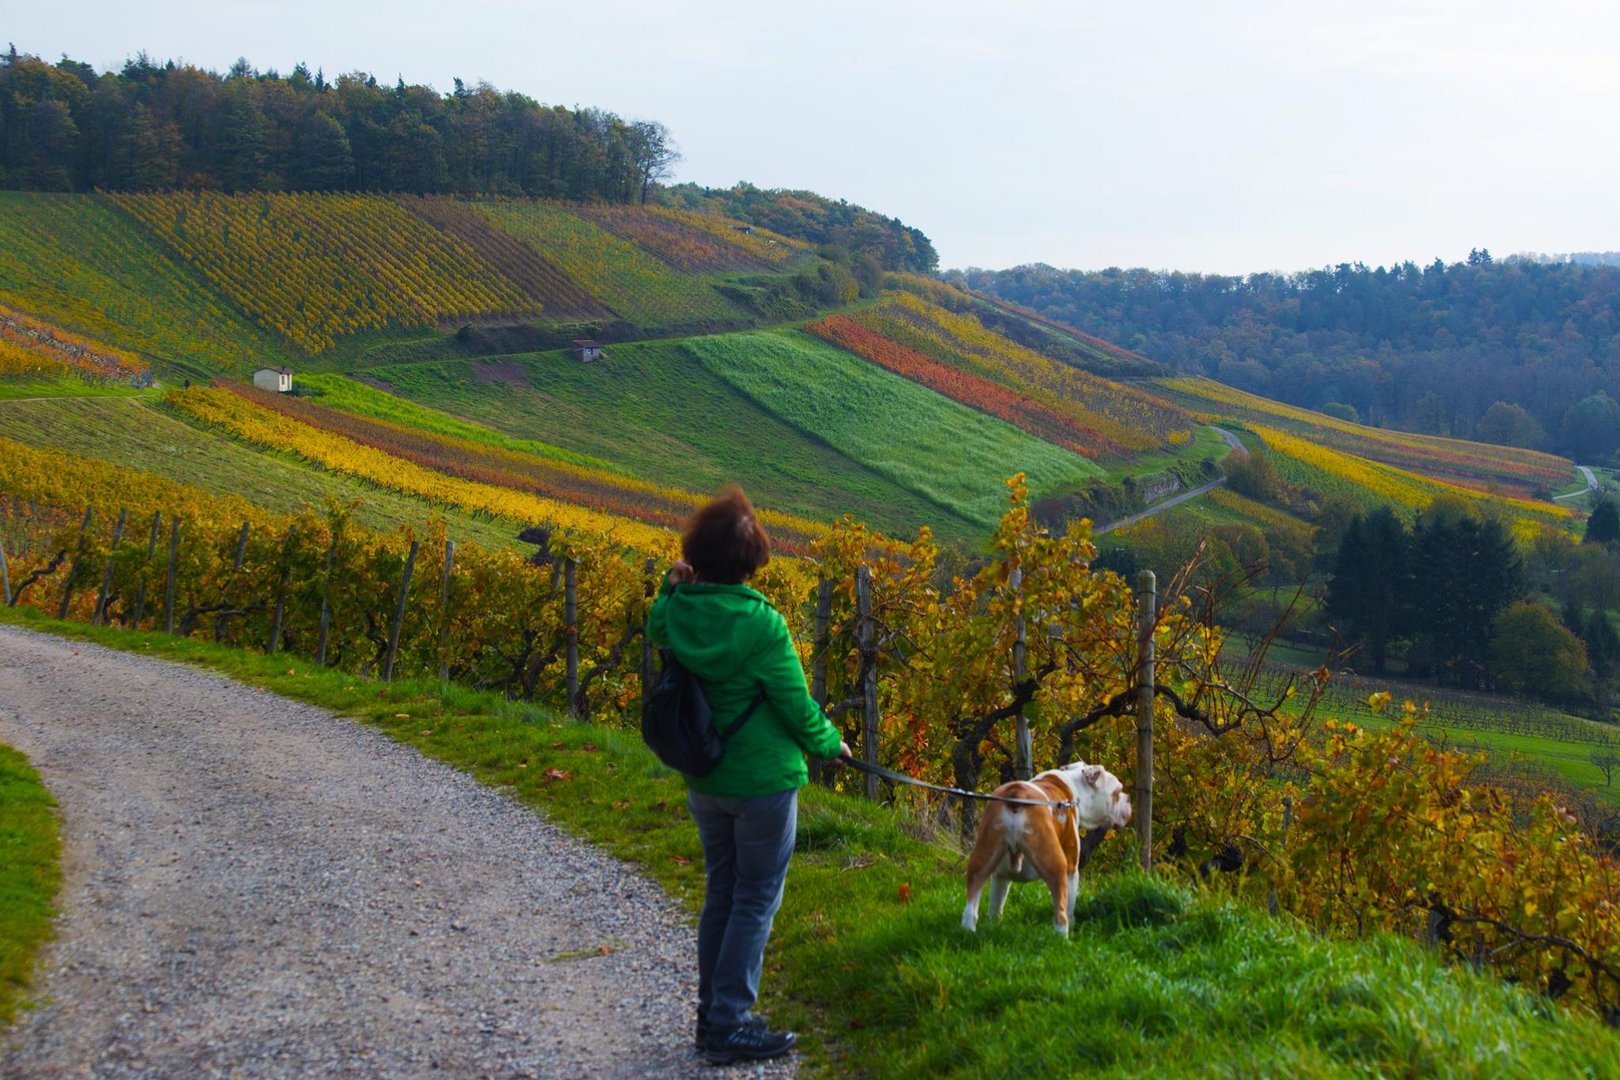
(703, 1029)
(751, 1041)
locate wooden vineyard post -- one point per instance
(649, 592)
(168, 587)
(869, 698)
(818, 661)
(1146, 586)
(146, 568)
(281, 587)
(5, 572)
(1288, 817)
(1024, 766)
(73, 569)
(326, 602)
(821, 771)
(444, 611)
(399, 614)
(236, 570)
(571, 634)
(98, 616)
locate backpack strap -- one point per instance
(736, 725)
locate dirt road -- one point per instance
(258, 888)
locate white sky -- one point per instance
(1195, 136)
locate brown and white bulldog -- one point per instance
(1022, 843)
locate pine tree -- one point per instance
(1371, 582)
(1603, 527)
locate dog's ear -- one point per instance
(1092, 775)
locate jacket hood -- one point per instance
(709, 627)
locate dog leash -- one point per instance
(902, 778)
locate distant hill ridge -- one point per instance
(1520, 352)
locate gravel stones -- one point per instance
(254, 887)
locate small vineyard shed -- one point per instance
(278, 379)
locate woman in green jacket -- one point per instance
(746, 810)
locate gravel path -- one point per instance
(254, 887)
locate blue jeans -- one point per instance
(746, 847)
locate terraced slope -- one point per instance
(1309, 465)
(955, 457)
(316, 268)
(478, 462)
(688, 241)
(75, 261)
(557, 295)
(621, 274)
(961, 358)
(143, 436)
(1477, 465)
(654, 411)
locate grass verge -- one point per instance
(29, 875)
(869, 959)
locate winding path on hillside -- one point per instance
(254, 887)
(1591, 484)
(1176, 500)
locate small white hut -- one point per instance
(278, 379)
(588, 351)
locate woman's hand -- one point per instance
(681, 572)
(844, 751)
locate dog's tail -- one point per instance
(1018, 789)
(1012, 825)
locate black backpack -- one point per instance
(677, 725)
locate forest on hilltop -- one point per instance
(151, 126)
(161, 126)
(888, 242)
(1518, 352)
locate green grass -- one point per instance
(68, 386)
(1158, 980)
(76, 261)
(336, 392)
(29, 875)
(653, 411)
(1568, 759)
(637, 286)
(953, 456)
(146, 436)
(1205, 443)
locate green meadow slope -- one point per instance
(655, 412)
(951, 455)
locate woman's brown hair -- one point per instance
(724, 541)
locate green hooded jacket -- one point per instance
(738, 645)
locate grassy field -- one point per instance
(1558, 742)
(146, 436)
(74, 260)
(68, 386)
(351, 396)
(952, 456)
(1570, 761)
(1205, 443)
(653, 411)
(869, 962)
(29, 875)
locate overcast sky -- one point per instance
(1195, 136)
